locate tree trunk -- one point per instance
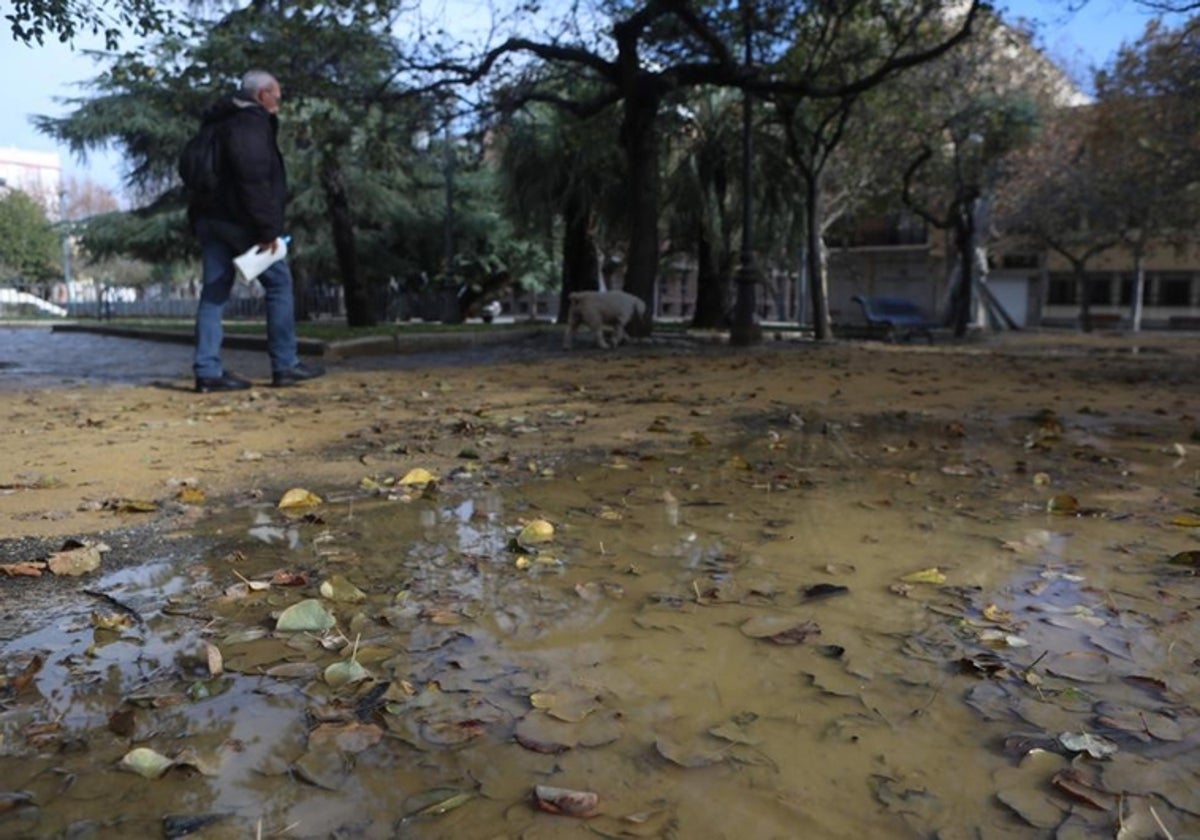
(964, 239)
(300, 302)
(359, 312)
(818, 281)
(712, 286)
(1085, 299)
(580, 268)
(1139, 288)
(639, 142)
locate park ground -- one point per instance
(88, 459)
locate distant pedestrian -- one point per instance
(245, 210)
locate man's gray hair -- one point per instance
(254, 81)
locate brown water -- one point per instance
(660, 651)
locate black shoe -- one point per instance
(292, 376)
(224, 382)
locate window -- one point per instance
(1027, 261)
(1127, 291)
(1099, 290)
(1061, 290)
(1174, 290)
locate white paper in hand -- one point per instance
(254, 262)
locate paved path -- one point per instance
(39, 357)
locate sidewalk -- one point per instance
(401, 341)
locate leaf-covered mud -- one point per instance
(826, 629)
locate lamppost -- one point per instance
(745, 329)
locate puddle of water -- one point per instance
(683, 648)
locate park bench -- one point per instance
(895, 319)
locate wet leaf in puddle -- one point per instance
(695, 753)
(600, 729)
(294, 671)
(345, 673)
(73, 562)
(733, 732)
(353, 737)
(1022, 789)
(1063, 503)
(1139, 820)
(32, 569)
(569, 803)
(190, 495)
(324, 768)
(1141, 723)
(1097, 746)
(535, 532)
(598, 590)
(903, 797)
(1000, 638)
(216, 662)
(146, 762)
(250, 634)
(1186, 558)
(417, 476)
(1075, 785)
(448, 733)
(134, 506)
(337, 588)
(1032, 805)
(1171, 779)
(985, 664)
(285, 578)
(207, 765)
(122, 722)
(309, 614)
(434, 803)
(298, 497)
(10, 800)
(991, 700)
(932, 575)
(824, 590)
(782, 630)
(181, 825)
(1081, 666)
(538, 732)
(569, 703)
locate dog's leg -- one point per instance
(620, 336)
(596, 325)
(572, 323)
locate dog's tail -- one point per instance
(640, 307)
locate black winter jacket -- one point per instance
(253, 183)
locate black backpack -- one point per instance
(200, 161)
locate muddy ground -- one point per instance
(994, 522)
(84, 460)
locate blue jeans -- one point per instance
(217, 255)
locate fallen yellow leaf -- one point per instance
(931, 575)
(417, 475)
(299, 497)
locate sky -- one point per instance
(37, 79)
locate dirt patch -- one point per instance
(88, 460)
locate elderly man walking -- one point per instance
(245, 210)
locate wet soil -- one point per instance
(809, 591)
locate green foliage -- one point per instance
(29, 245)
(32, 20)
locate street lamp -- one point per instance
(745, 329)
